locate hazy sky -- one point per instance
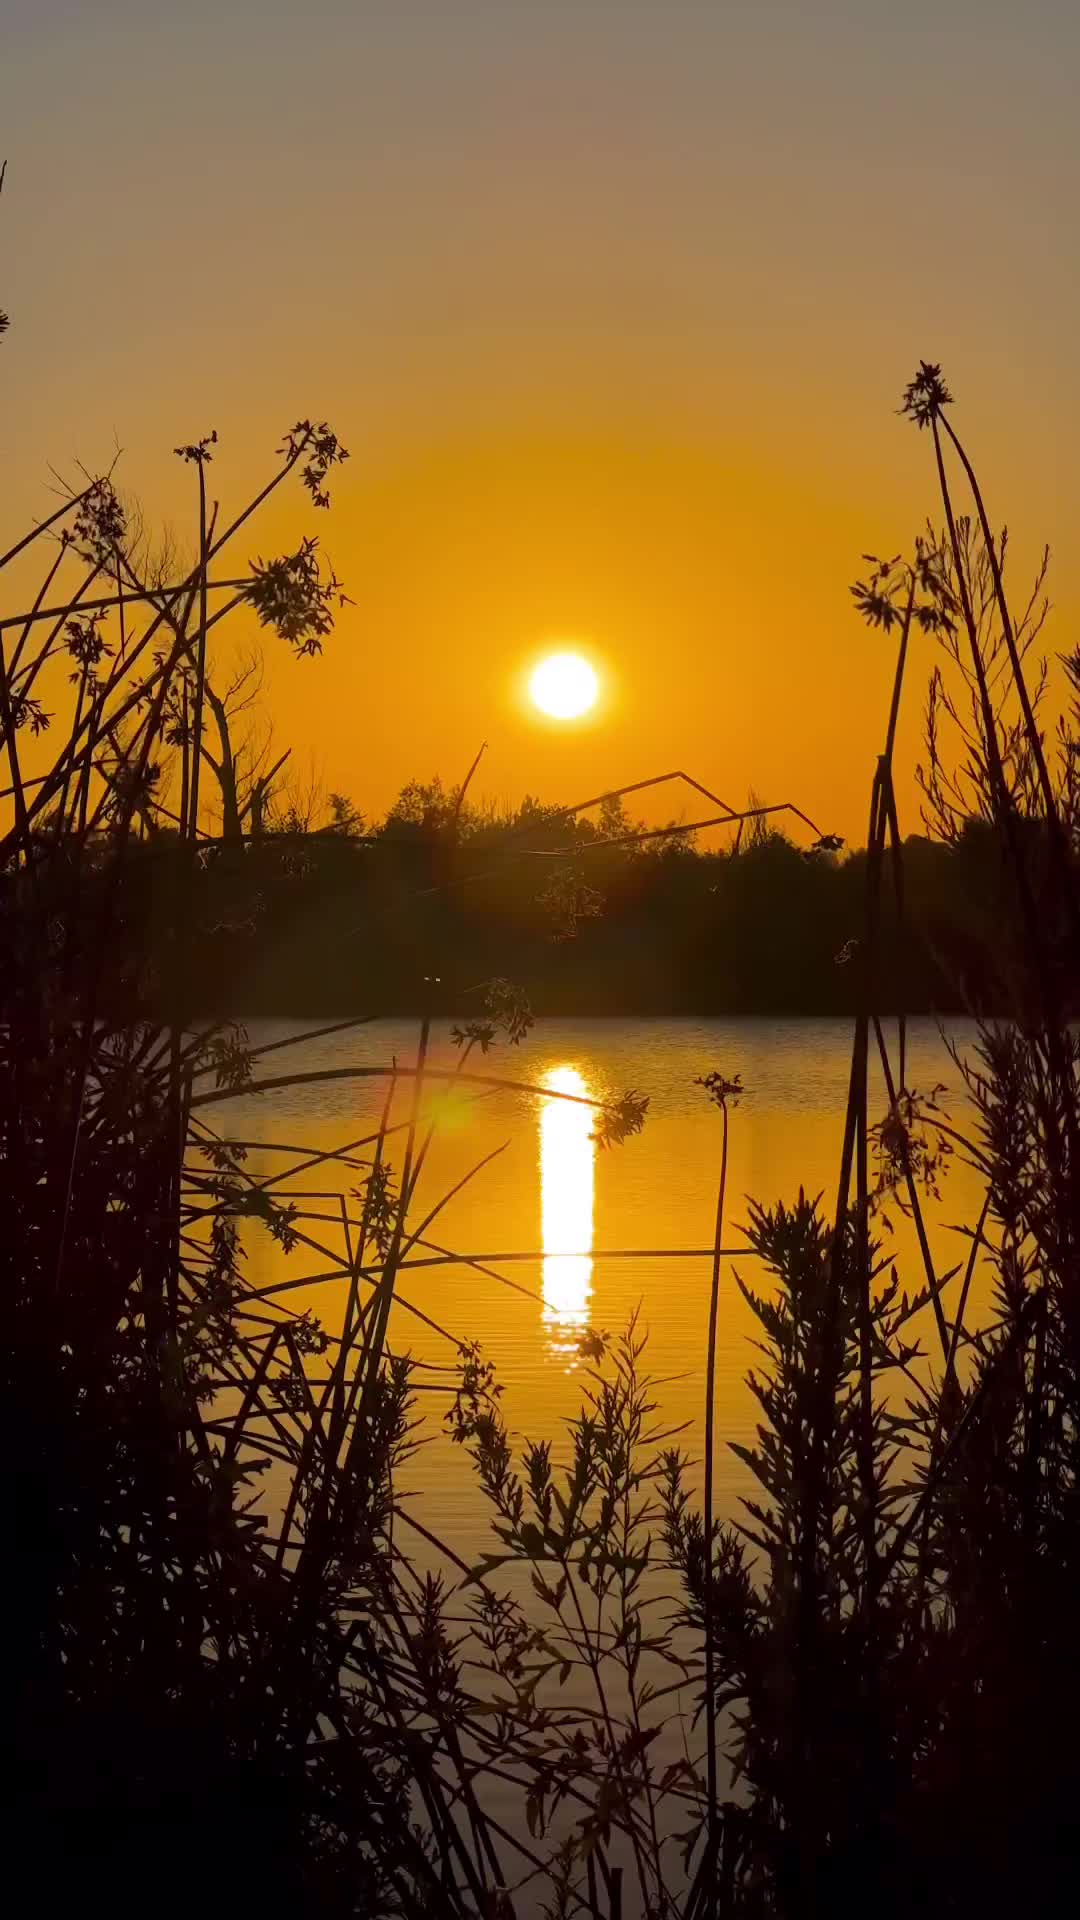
(612, 300)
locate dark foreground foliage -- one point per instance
(240, 1669)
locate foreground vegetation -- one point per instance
(239, 1668)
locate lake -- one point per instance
(569, 1237)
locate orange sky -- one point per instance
(613, 304)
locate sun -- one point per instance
(564, 686)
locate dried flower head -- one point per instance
(380, 1201)
(926, 395)
(84, 642)
(909, 1145)
(593, 1344)
(721, 1091)
(308, 1334)
(198, 453)
(475, 1033)
(100, 524)
(324, 450)
(896, 590)
(880, 597)
(229, 1056)
(292, 596)
(617, 1122)
(26, 712)
(473, 1413)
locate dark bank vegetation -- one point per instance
(239, 1668)
(591, 913)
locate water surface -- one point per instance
(560, 1236)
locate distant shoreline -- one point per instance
(244, 1006)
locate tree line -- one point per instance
(590, 913)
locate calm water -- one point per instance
(571, 1238)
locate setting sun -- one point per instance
(564, 686)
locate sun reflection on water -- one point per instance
(567, 1157)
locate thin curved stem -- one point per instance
(710, 1442)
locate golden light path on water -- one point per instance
(567, 1177)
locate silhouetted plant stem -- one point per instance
(973, 1410)
(43, 526)
(377, 1321)
(353, 1315)
(185, 756)
(327, 1074)
(83, 789)
(846, 1266)
(425, 1145)
(943, 1398)
(933, 1284)
(898, 675)
(200, 664)
(1061, 1106)
(47, 651)
(484, 1848)
(7, 721)
(588, 1646)
(221, 540)
(38, 598)
(465, 785)
(121, 598)
(961, 1305)
(1034, 1423)
(442, 1823)
(853, 1158)
(99, 954)
(897, 851)
(990, 739)
(1019, 680)
(159, 597)
(626, 1628)
(63, 824)
(1004, 807)
(710, 1447)
(859, 1095)
(415, 1234)
(49, 784)
(159, 679)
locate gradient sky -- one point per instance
(612, 301)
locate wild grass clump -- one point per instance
(899, 1657)
(227, 1672)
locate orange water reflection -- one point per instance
(575, 1221)
(567, 1182)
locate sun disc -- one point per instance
(564, 686)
